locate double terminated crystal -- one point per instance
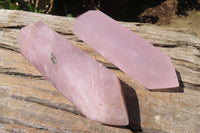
(91, 87)
(132, 54)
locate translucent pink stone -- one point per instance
(91, 87)
(132, 54)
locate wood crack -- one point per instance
(7, 47)
(64, 107)
(190, 65)
(176, 44)
(13, 27)
(194, 85)
(66, 33)
(109, 65)
(18, 122)
(198, 47)
(164, 45)
(22, 75)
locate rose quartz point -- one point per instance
(91, 87)
(135, 56)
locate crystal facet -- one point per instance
(90, 86)
(132, 54)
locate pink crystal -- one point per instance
(91, 87)
(132, 54)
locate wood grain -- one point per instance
(29, 103)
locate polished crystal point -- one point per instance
(90, 86)
(132, 54)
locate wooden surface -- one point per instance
(28, 103)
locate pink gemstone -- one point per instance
(91, 87)
(132, 54)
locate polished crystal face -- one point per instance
(90, 86)
(132, 54)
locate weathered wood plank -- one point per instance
(23, 88)
(18, 110)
